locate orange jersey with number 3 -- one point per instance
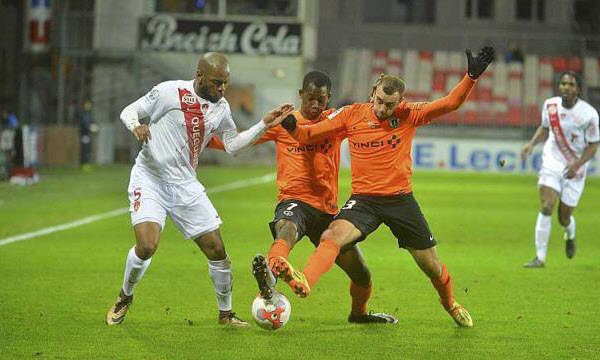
(307, 172)
(380, 150)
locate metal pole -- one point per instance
(60, 109)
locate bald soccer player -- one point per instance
(183, 116)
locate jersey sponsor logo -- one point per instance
(324, 147)
(194, 123)
(392, 141)
(189, 99)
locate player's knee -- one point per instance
(547, 208)
(214, 250)
(563, 219)
(145, 249)
(335, 232)
(286, 230)
(329, 234)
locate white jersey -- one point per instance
(579, 125)
(181, 125)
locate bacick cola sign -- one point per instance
(167, 33)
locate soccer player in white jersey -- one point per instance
(570, 129)
(183, 116)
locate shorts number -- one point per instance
(349, 204)
(292, 205)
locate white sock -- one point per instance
(220, 274)
(542, 234)
(570, 229)
(134, 270)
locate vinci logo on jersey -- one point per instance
(325, 146)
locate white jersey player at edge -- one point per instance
(570, 129)
(183, 116)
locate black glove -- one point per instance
(289, 123)
(477, 65)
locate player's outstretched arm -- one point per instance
(308, 133)
(235, 142)
(540, 135)
(423, 113)
(277, 115)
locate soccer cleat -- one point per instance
(117, 312)
(535, 263)
(460, 315)
(230, 318)
(295, 279)
(570, 247)
(264, 277)
(372, 318)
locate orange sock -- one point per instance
(443, 285)
(279, 248)
(321, 260)
(360, 297)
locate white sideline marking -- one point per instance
(90, 219)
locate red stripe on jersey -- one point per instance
(194, 123)
(561, 139)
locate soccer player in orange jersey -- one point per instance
(307, 179)
(380, 134)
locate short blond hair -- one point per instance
(390, 84)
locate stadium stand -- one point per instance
(509, 94)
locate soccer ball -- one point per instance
(271, 314)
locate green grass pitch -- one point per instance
(55, 289)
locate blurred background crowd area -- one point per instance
(68, 67)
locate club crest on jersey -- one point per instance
(189, 99)
(205, 107)
(394, 122)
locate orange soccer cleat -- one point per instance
(295, 279)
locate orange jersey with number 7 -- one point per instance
(380, 150)
(307, 172)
